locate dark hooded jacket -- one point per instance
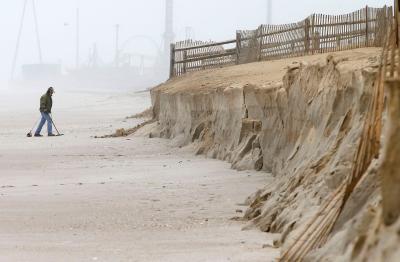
(46, 103)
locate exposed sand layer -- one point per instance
(76, 198)
(299, 118)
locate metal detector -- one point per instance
(51, 118)
(30, 132)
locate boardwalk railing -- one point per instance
(317, 33)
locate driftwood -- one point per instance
(127, 132)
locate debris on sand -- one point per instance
(7, 186)
(122, 132)
(148, 113)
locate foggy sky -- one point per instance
(210, 19)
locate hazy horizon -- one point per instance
(207, 19)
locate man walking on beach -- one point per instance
(46, 103)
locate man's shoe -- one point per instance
(38, 135)
(52, 135)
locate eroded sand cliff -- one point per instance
(300, 119)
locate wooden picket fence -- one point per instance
(316, 34)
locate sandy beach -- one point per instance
(77, 198)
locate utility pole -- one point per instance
(169, 26)
(37, 32)
(94, 57)
(117, 45)
(21, 25)
(269, 12)
(189, 32)
(77, 38)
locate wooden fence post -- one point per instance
(389, 172)
(396, 19)
(184, 61)
(172, 61)
(366, 27)
(307, 36)
(238, 46)
(260, 40)
(313, 34)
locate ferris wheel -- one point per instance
(129, 54)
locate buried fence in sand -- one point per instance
(316, 233)
(317, 33)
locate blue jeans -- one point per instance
(45, 117)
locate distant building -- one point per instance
(39, 72)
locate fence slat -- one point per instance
(366, 27)
(341, 31)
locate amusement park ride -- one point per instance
(130, 68)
